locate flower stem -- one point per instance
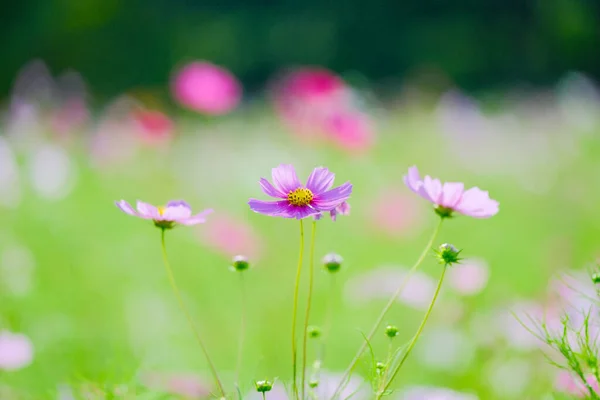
(242, 328)
(387, 307)
(417, 335)
(187, 314)
(307, 317)
(295, 312)
(264, 396)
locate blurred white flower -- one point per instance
(382, 282)
(446, 349)
(52, 172)
(509, 378)
(16, 351)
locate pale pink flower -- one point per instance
(394, 213)
(469, 277)
(568, 383)
(350, 130)
(16, 351)
(451, 196)
(231, 236)
(206, 88)
(434, 393)
(188, 386)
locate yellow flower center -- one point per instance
(161, 210)
(300, 197)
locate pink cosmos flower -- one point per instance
(297, 200)
(451, 196)
(16, 351)
(206, 88)
(175, 212)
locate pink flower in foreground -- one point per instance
(175, 212)
(16, 351)
(206, 88)
(567, 383)
(297, 200)
(451, 196)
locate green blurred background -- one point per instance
(85, 282)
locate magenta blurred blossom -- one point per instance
(16, 351)
(230, 236)
(206, 88)
(350, 130)
(154, 127)
(297, 200)
(175, 212)
(469, 277)
(451, 196)
(567, 383)
(394, 213)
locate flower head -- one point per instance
(298, 200)
(240, 263)
(332, 262)
(451, 197)
(447, 254)
(175, 212)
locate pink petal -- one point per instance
(125, 207)
(413, 181)
(270, 189)
(332, 198)
(285, 178)
(271, 208)
(451, 194)
(477, 203)
(176, 211)
(195, 219)
(320, 180)
(433, 187)
(147, 211)
(299, 212)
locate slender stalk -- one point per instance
(388, 361)
(295, 312)
(242, 327)
(175, 288)
(417, 335)
(311, 276)
(264, 396)
(387, 307)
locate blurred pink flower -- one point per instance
(153, 126)
(434, 393)
(206, 88)
(567, 383)
(230, 236)
(451, 196)
(394, 213)
(469, 277)
(188, 386)
(382, 282)
(350, 130)
(531, 314)
(16, 351)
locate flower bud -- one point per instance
(240, 263)
(391, 331)
(313, 332)
(380, 367)
(447, 254)
(263, 386)
(313, 383)
(596, 278)
(332, 262)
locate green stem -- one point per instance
(311, 274)
(417, 335)
(295, 312)
(242, 328)
(388, 361)
(264, 396)
(387, 307)
(187, 314)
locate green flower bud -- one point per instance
(332, 262)
(263, 386)
(240, 263)
(443, 212)
(313, 383)
(313, 332)
(391, 331)
(447, 254)
(596, 278)
(380, 367)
